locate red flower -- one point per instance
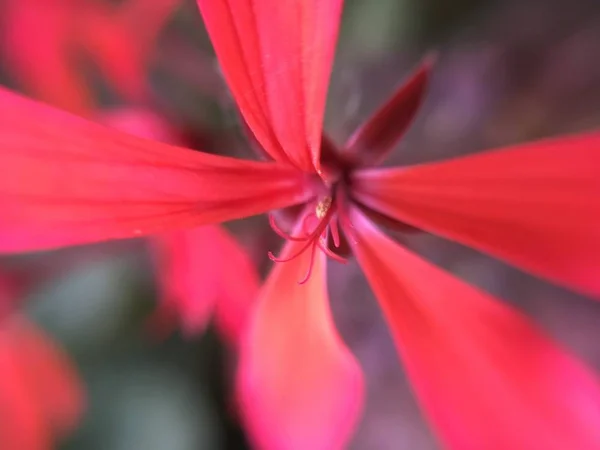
(485, 376)
(204, 272)
(69, 31)
(41, 397)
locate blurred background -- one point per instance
(509, 70)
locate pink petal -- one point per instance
(276, 56)
(536, 205)
(67, 181)
(299, 386)
(485, 376)
(376, 138)
(204, 270)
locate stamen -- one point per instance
(277, 229)
(313, 235)
(310, 265)
(335, 232)
(331, 254)
(342, 213)
(274, 258)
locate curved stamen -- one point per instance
(274, 258)
(310, 240)
(277, 229)
(335, 232)
(342, 213)
(310, 265)
(331, 254)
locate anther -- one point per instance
(323, 207)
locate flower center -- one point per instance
(316, 226)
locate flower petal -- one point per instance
(484, 375)
(299, 386)
(276, 56)
(66, 181)
(373, 141)
(205, 270)
(536, 205)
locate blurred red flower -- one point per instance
(117, 39)
(41, 397)
(484, 375)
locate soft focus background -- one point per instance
(509, 70)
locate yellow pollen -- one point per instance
(322, 207)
